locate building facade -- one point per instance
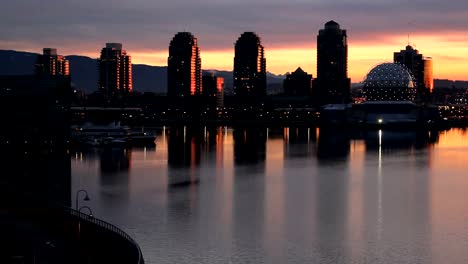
(249, 66)
(213, 89)
(184, 66)
(115, 71)
(420, 67)
(428, 75)
(298, 83)
(332, 85)
(50, 63)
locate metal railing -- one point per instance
(110, 227)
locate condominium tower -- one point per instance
(115, 71)
(49, 63)
(332, 85)
(184, 66)
(249, 66)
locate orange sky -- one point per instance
(449, 52)
(450, 56)
(288, 29)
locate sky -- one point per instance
(288, 30)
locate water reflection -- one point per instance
(299, 142)
(113, 160)
(249, 145)
(297, 195)
(397, 220)
(211, 136)
(212, 146)
(249, 210)
(184, 146)
(394, 141)
(333, 144)
(331, 189)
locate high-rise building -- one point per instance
(115, 71)
(49, 63)
(298, 83)
(249, 66)
(428, 77)
(420, 67)
(213, 89)
(332, 85)
(184, 66)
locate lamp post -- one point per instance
(86, 198)
(90, 215)
(89, 209)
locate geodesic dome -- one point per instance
(389, 82)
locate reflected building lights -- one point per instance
(317, 132)
(225, 135)
(379, 190)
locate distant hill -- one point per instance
(84, 74)
(83, 71)
(16, 62)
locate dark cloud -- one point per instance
(145, 24)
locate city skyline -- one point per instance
(375, 30)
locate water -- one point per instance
(286, 195)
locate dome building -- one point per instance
(389, 91)
(389, 82)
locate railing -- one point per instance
(107, 226)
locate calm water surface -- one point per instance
(286, 195)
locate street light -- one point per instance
(90, 215)
(86, 198)
(89, 209)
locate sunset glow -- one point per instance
(449, 53)
(288, 31)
